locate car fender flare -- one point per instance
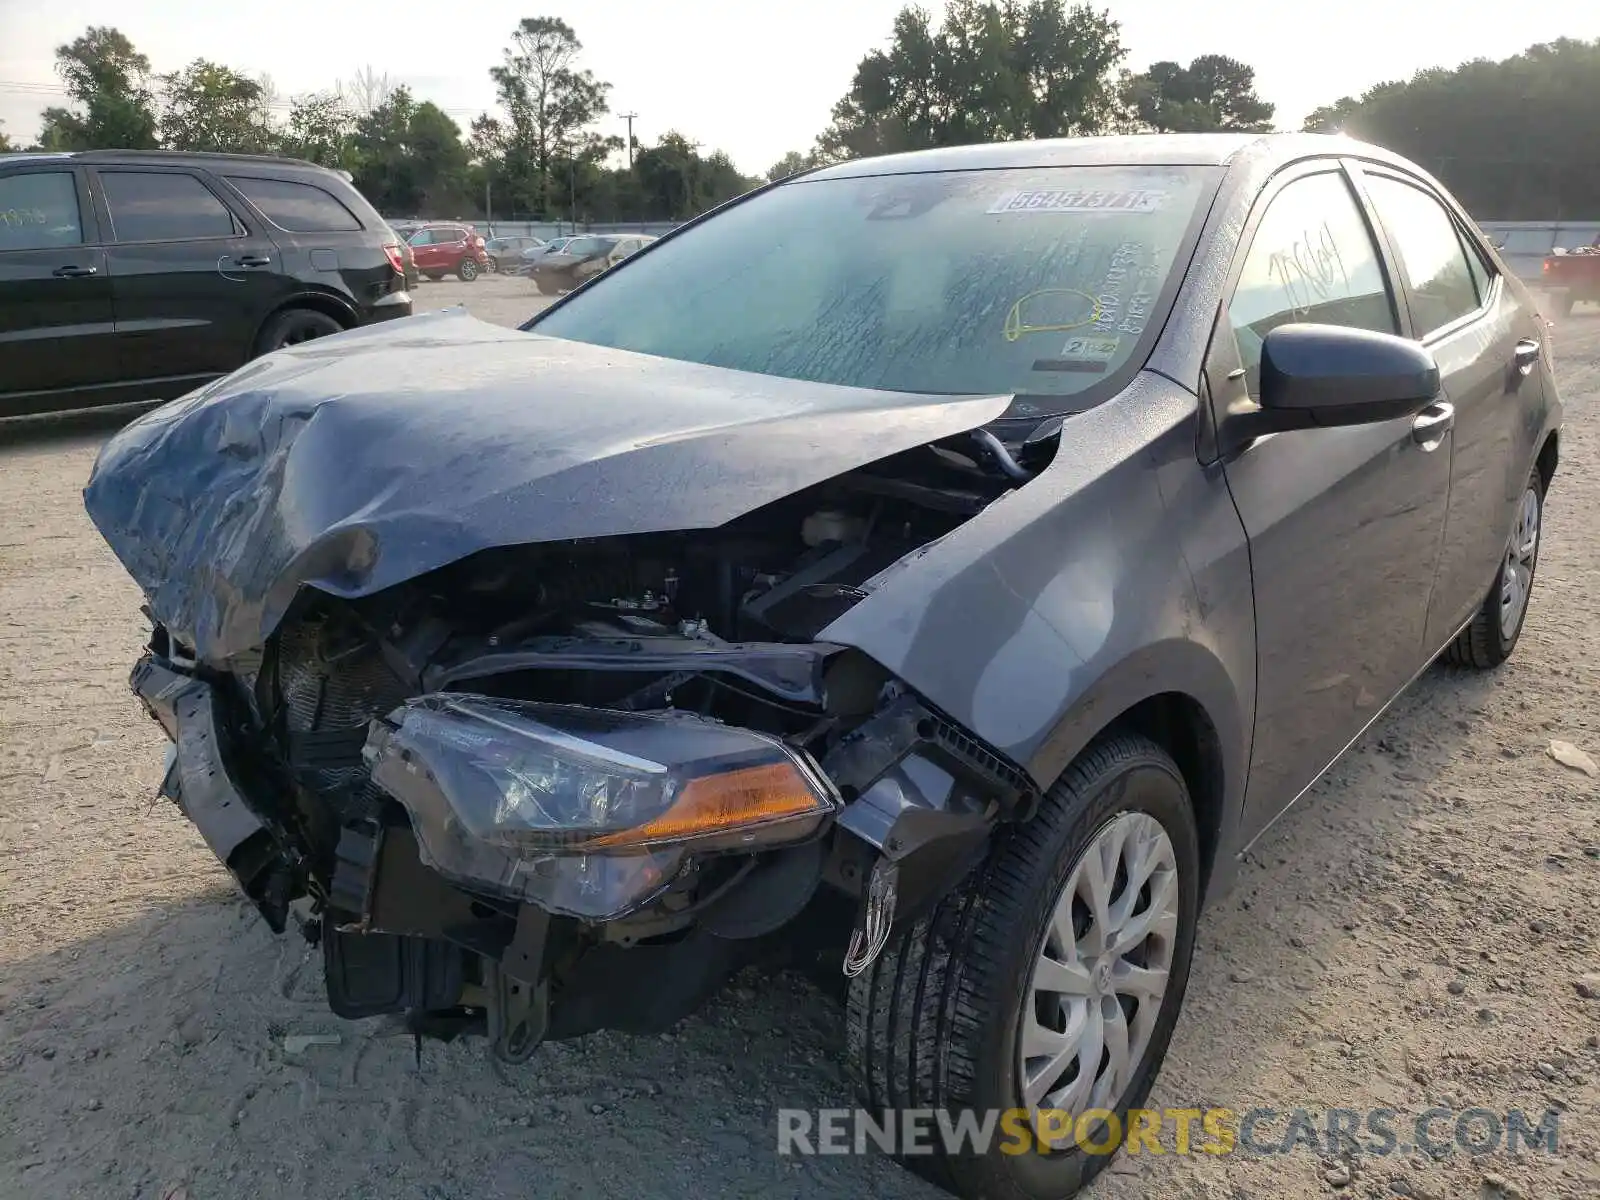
(335, 305)
(1144, 684)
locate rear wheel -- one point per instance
(434, 275)
(1493, 633)
(467, 271)
(547, 287)
(492, 266)
(293, 326)
(1050, 982)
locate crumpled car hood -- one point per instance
(355, 463)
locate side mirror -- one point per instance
(1321, 376)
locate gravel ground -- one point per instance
(1415, 932)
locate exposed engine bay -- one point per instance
(465, 797)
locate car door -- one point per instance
(425, 252)
(191, 283)
(1487, 346)
(57, 334)
(1344, 523)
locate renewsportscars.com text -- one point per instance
(1437, 1132)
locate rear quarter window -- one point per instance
(297, 207)
(39, 210)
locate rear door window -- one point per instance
(163, 206)
(297, 207)
(39, 210)
(1429, 246)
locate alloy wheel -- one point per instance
(1516, 580)
(1095, 995)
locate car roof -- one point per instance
(1142, 149)
(181, 156)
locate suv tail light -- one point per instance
(478, 242)
(396, 259)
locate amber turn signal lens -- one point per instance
(712, 804)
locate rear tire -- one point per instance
(435, 276)
(547, 288)
(467, 271)
(1495, 628)
(293, 326)
(937, 1021)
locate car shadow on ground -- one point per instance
(154, 1054)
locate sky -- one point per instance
(753, 78)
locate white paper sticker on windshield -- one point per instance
(1080, 201)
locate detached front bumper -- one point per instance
(198, 780)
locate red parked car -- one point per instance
(1573, 276)
(450, 247)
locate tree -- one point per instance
(992, 71)
(1512, 139)
(5, 142)
(675, 182)
(791, 163)
(549, 105)
(409, 157)
(212, 107)
(1214, 92)
(320, 128)
(107, 77)
(368, 89)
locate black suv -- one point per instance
(138, 275)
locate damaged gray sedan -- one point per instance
(939, 567)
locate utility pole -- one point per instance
(630, 118)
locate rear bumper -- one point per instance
(200, 782)
(387, 308)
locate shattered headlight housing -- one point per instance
(582, 811)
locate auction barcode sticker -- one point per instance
(1079, 201)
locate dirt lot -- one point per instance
(1414, 933)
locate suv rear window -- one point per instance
(297, 207)
(39, 210)
(151, 206)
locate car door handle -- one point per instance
(74, 272)
(1526, 354)
(254, 260)
(1432, 423)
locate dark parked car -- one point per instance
(958, 583)
(133, 276)
(582, 258)
(449, 248)
(505, 253)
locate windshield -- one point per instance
(1035, 281)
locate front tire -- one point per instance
(1051, 980)
(1497, 625)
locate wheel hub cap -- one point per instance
(1522, 550)
(1101, 973)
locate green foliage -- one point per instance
(212, 107)
(1513, 139)
(106, 77)
(1214, 93)
(408, 158)
(550, 105)
(5, 142)
(791, 163)
(675, 181)
(321, 128)
(990, 72)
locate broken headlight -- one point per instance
(585, 811)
